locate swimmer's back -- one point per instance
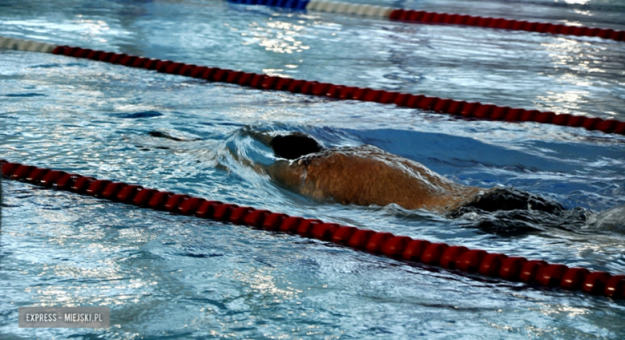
(367, 175)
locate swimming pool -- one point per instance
(174, 276)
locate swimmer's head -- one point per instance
(294, 146)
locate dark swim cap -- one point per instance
(294, 146)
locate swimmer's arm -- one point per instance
(277, 171)
(280, 172)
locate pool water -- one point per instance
(170, 276)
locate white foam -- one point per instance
(611, 219)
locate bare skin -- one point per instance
(363, 175)
(367, 175)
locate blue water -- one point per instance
(169, 276)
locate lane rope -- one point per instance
(25, 45)
(265, 82)
(434, 18)
(451, 257)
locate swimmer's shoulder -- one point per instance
(327, 160)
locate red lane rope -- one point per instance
(262, 81)
(423, 17)
(508, 24)
(451, 257)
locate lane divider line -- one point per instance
(452, 107)
(423, 17)
(458, 258)
(25, 45)
(266, 82)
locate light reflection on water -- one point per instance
(180, 277)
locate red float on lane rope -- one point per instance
(424, 17)
(439, 105)
(435, 254)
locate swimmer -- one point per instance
(366, 175)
